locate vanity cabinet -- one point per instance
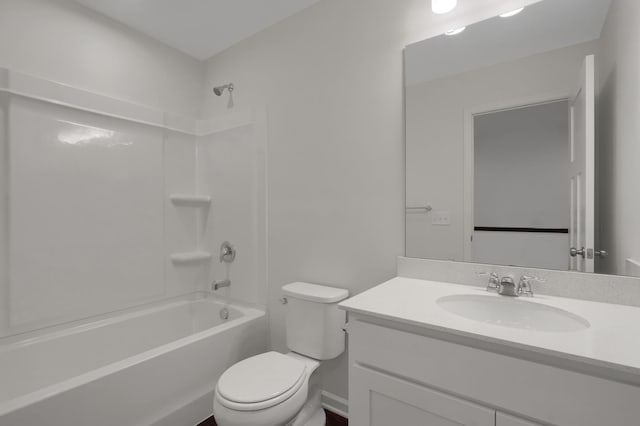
(384, 400)
(403, 375)
(387, 400)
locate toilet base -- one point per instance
(312, 413)
(319, 419)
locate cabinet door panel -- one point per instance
(381, 399)
(387, 411)
(507, 420)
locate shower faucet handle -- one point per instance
(227, 252)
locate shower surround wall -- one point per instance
(87, 216)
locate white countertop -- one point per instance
(611, 342)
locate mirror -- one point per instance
(522, 139)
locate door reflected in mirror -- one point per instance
(520, 186)
(518, 131)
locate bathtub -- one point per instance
(156, 365)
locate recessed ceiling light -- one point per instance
(443, 6)
(456, 31)
(512, 13)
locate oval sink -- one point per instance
(513, 313)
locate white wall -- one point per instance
(618, 109)
(61, 41)
(435, 136)
(332, 80)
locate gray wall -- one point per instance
(618, 109)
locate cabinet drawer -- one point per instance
(380, 399)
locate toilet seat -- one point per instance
(261, 382)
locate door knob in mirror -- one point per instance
(601, 253)
(574, 252)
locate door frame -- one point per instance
(469, 152)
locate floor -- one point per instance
(332, 420)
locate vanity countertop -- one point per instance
(608, 346)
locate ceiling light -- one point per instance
(512, 13)
(456, 31)
(443, 6)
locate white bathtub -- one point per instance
(151, 366)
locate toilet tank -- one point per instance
(314, 322)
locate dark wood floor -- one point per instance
(332, 420)
(335, 420)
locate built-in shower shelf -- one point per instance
(190, 257)
(190, 200)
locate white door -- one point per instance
(582, 170)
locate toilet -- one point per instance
(272, 389)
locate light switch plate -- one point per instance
(441, 218)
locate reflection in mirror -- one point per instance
(518, 151)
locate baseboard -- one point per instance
(335, 404)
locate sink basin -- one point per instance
(513, 313)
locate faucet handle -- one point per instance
(494, 280)
(227, 252)
(524, 286)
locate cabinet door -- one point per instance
(380, 399)
(507, 420)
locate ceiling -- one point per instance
(541, 27)
(199, 28)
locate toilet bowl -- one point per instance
(267, 389)
(272, 389)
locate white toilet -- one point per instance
(272, 389)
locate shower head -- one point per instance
(220, 89)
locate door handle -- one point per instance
(601, 253)
(575, 252)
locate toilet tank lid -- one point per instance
(315, 293)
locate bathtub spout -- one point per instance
(217, 285)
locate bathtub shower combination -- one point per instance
(109, 241)
(156, 365)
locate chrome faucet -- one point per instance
(524, 286)
(227, 255)
(507, 287)
(217, 285)
(494, 280)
